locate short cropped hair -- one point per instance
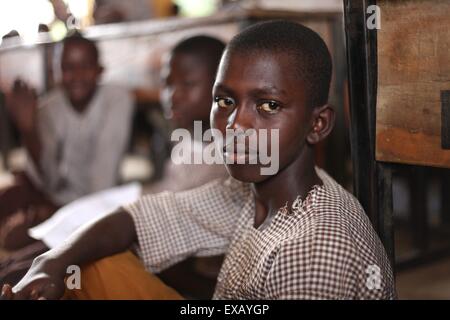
(207, 48)
(309, 52)
(77, 37)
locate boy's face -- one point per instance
(261, 91)
(80, 73)
(186, 91)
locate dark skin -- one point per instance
(262, 94)
(45, 279)
(186, 93)
(80, 74)
(22, 106)
(241, 78)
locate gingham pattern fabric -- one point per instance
(325, 248)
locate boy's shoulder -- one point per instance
(336, 215)
(333, 201)
(337, 241)
(335, 221)
(115, 100)
(114, 90)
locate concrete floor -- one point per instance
(431, 281)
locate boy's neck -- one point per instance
(79, 108)
(295, 180)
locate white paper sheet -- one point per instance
(79, 212)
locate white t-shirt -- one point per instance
(81, 152)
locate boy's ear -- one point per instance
(322, 123)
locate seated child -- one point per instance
(75, 138)
(194, 61)
(187, 79)
(188, 75)
(295, 234)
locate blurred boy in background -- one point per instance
(187, 78)
(75, 138)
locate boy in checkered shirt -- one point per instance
(296, 234)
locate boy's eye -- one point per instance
(224, 102)
(270, 107)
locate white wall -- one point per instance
(302, 5)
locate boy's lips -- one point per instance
(240, 158)
(175, 113)
(238, 148)
(243, 151)
(78, 88)
(243, 155)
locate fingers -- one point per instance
(21, 103)
(20, 84)
(20, 88)
(50, 292)
(23, 90)
(33, 295)
(22, 294)
(37, 291)
(6, 293)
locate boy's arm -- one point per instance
(22, 105)
(167, 226)
(107, 236)
(197, 222)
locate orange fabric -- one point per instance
(120, 277)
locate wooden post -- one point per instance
(372, 180)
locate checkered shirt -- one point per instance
(324, 249)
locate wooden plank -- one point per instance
(361, 82)
(445, 119)
(413, 69)
(372, 180)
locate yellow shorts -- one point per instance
(120, 277)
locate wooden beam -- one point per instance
(372, 180)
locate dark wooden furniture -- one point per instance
(399, 80)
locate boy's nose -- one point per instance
(78, 76)
(240, 119)
(176, 96)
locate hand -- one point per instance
(42, 282)
(22, 106)
(6, 293)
